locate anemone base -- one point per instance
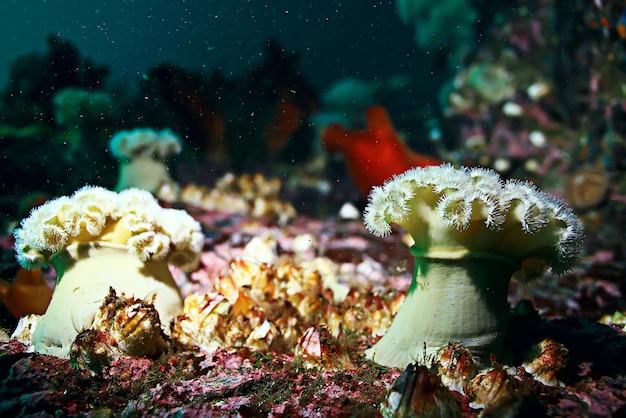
(85, 272)
(458, 299)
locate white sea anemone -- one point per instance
(472, 233)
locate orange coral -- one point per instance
(287, 120)
(29, 293)
(374, 154)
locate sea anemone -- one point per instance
(142, 153)
(472, 232)
(97, 239)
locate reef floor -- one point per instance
(279, 380)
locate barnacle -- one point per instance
(201, 321)
(122, 327)
(267, 299)
(491, 386)
(586, 188)
(92, 351)
(132, 323)
(253, 195)
(546, 361)
(456, 366)
(418, 392)
(317, 348)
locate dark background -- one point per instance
(335, 39)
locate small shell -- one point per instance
(538, 139)
(261, 249)
(456, 366)
(538, 90)
(490, 386)
(545, 361)
(512, 109)
(304, 243)
(349, 212)
(24, 330)
(317, 348)
(616, 319)
(587, 188)
(418, 392)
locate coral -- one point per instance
(74, 106)
(433, 22)
(375, 154)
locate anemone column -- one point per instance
(462, 299)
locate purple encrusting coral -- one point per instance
(276, 388)
(196, 384)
